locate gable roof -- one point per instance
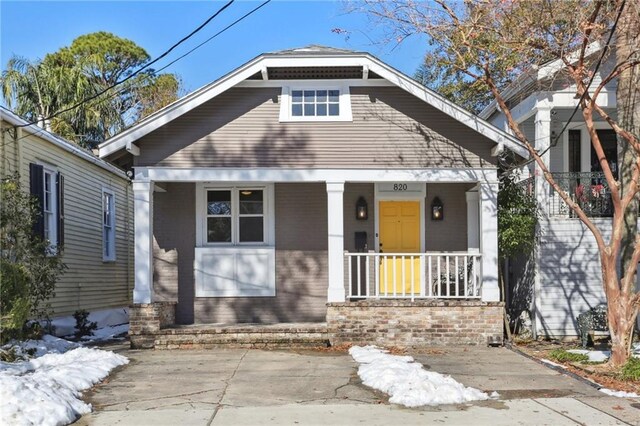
(310, 56)
(14, 119)
(536, 74)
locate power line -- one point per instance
(170, 63)
(215, 35)
(138, 71)
(582, 97)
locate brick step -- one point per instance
(247, 336)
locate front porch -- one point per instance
(275, 252)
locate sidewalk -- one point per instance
(248, 387)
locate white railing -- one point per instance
(446, 275)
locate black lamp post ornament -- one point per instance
(437, 209)
(361, 209)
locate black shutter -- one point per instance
(60, 212)
(36, 178)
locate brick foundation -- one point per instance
(146, 320)
(414, 324)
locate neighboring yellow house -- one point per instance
(87, 208)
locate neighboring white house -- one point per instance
(562, 278)
(87, 208)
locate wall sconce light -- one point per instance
(437, 209)
(361, 209)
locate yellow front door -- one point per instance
(399, 233)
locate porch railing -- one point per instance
(590, 190)
(446, 275)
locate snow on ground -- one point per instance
(619, 394)
(594, 356)
(108, 333)
(65, 326)
(546, 361)
(46, 390)
(407, 382)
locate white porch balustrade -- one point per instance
(442, 275)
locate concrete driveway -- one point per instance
(250, 387)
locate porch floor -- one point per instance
(207, 336)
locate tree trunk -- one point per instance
(628, 108)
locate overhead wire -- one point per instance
(135, 73)
(246, 15)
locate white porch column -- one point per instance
(489, 241)
(542, 142)
(143, 255)
(335, 217)
(473, 221)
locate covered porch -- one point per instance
(324, 241)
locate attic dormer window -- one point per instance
(315, 104)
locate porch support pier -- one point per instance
(143, 254)
(489, 241)
(335, 231)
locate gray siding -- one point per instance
(449, 234)
(301, 259)
(174, 231)
(241, 128)
(353, 191)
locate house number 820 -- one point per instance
(399, 186)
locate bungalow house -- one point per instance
(314, 185)
(562, 277)
(87, 210)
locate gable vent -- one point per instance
(314, 73)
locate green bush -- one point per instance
(84, 327)
(631, 370)
(562, 355)
(28, 272)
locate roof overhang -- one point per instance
(127, 138)
(15, 120)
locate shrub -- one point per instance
(562, 355)
(631, 370)
(84, 327)
(28, 270)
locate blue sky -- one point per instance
(32, 29)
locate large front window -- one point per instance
(235, 216)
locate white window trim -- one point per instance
(268, 209)
(112, 245)
(53, 171)
(345, 101)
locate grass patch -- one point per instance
(561, 355)
(631, 370)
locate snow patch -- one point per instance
(546, 361)
(107, 333)
(46, 390)
(594, 356)
(36, 348)
(619, 394)
(407, 382)
(65, 326)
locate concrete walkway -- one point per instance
(249, 387)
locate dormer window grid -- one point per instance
(315, 103)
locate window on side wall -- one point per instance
(315, 104)
(235, 216)
(108, 226)
(47, 188)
